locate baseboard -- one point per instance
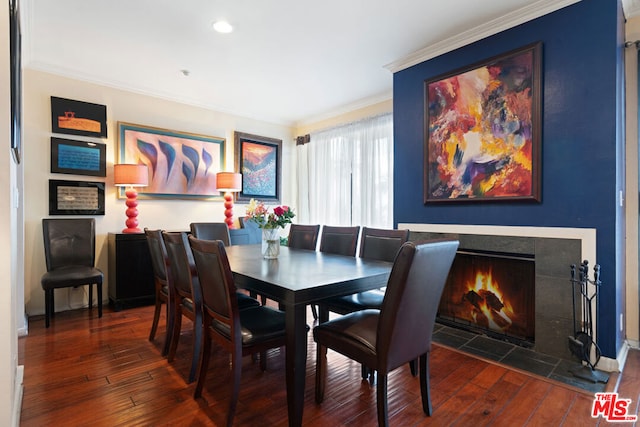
(17, 391)
(608, 364)
(24, 331)
(634, 344)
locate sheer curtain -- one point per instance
(345, 175)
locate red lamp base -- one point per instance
(228, 212)
(131, 212)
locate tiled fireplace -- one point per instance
(549, 253)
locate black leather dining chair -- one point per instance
(375, 243)
(379, 244)
(239, 331)
(186, 291)
(158, 262)
(186, 295)
(211, 231)
(339, 240)
(303, 236)
(401, 330)
(69, 251)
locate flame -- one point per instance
(492, 304)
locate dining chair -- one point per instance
(375, 243)
(158, 253)
(219, 231)
(340, 241)
(69, 252)
(379, 244)
(401, 330)
(303, 236)
(186, 295)
(186, 292)
(239, 331)
(211, 231)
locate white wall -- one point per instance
(154, 213)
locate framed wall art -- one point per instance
(76, 197)
(15, 42)
(181, 165)
(259, 160)
(483, 130)
(78, 157)
(78, 118)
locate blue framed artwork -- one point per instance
(259, 160)
(78, 157)
(181, 165)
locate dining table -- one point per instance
(296, 279)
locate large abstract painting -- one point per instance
(482, 130)
(181, 165)
(259, 160)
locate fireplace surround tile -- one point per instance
(553, 301)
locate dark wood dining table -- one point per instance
(298, 278)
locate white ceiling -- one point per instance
(288, 61)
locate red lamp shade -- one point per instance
(131, 176)
(228, 182)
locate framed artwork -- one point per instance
(181, 165)
(16, 79)
(78, 157)
(259, 160)
(78, 117)
(76, 197)
(483, 130)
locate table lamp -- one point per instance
(229, 182)
(131, 176)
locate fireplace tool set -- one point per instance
(582, 344)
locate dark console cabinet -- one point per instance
(130, 271)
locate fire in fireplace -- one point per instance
(491, 293)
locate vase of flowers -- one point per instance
(271, 223)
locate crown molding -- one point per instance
(510, 20)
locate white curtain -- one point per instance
(345, 175)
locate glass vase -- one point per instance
(270, 243)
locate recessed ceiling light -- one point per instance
(222, 27)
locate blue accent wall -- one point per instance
(582, 141)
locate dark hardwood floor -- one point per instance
(104, 372)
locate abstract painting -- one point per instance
(259, 160)
(181, 165)
(482, 130)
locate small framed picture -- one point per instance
(78, 157)
(76, 197)
(259, 160)
(78, 117)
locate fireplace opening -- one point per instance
(493, 294)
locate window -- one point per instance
(345, 175)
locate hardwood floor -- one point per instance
(104, 372)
